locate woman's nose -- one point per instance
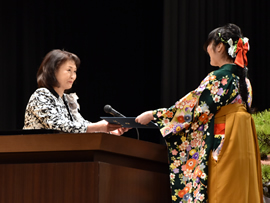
(73, 75)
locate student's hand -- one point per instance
(145, 118)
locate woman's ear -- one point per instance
(220, 47)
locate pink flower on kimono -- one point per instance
(189, 185)
(182, 147)
(199, 109)
(186, 143)
(188, 172)
(172, 176)
(165, 121)
(202, 152)
(183, 167)
(180, 104)
(182, 154)
(177, 163)
(174, 152)
(206, 126)
(199, 136)
(224, 81)
(201, 198)
(194, 126)
(194, 143)
(194, 135)
(159, 114)
(240, 101)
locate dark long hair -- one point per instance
(222, 35)
(50, 64)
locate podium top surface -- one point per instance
(81, 146)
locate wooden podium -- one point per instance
(82, 168)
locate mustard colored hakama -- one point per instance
(236, 176)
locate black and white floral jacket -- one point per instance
(47, 110)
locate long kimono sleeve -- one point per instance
(188, 128)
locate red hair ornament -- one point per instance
(241, 51)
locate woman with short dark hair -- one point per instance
(50, 64)
(50, 107)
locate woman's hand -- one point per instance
(102, 126)
(120, 131)
(145, 118)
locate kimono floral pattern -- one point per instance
(46, 110)
(188, 128)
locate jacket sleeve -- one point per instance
(43, 107)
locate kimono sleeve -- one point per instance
(198, 105)
(179, 116)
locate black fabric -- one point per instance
(27, 132)
(136, 55)
(65, 102)
(186, 27)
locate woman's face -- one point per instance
(66, 75)
(214, 57)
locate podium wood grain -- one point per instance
(80, 168)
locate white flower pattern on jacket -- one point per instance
(46, 110)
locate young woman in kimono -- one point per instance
(210, 134)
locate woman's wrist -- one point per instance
(95, 127)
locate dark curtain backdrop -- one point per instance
(186, 27)
(136, 55)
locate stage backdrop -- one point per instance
(136, 55)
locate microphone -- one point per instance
(110, 110)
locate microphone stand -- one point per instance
(138, 135)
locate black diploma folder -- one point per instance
(128, 122)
